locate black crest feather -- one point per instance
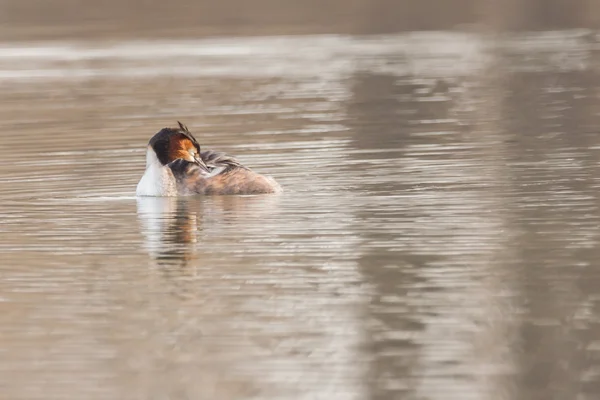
(186, 132)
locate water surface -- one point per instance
(438, 235)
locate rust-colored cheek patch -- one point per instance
(179, 147)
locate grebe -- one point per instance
(175, 166)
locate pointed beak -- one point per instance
(201, 163)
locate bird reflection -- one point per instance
(174, 228)
(170, 227)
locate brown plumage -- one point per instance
(232, 179)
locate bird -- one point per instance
(176, 166)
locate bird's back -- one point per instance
(227, 176)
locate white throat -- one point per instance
(158, 180)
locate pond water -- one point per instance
(438, 236)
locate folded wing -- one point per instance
(222, 174)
